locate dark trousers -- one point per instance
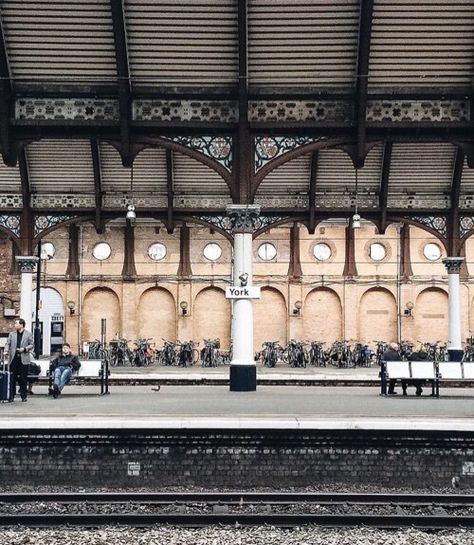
(19, 373)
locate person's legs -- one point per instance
(391, 386)
(65, 376)
(57, 380)
(23, 381)
(14, 378)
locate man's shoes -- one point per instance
(55, 391)
(419, 391)
(392, 393)
(24, 399)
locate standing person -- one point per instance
(64, 366)
(18, 351)
(392, 354)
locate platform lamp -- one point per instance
(131, 215)
(71, 305)
(184, 307)
(409, 308)
(297, 309)
(355, 220)
(43, 255)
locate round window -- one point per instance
(101, 251)
(212, 251)
(157, 251)
(432, 251)
(322, 251)
(267, 251)
(47, 250)
(377, 251)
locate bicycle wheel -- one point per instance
(195, 356)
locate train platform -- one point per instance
(210, 407)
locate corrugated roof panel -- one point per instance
(183, 44)
(194, 178)
(60, 39)
(10, 180)
(467, 179)
(60, 166)
(421, 168)
(422, 44)
(303, 43)
(290, 178)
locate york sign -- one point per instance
(236, 292)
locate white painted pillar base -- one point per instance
(27, 265)
(453, 266)
(243, 373)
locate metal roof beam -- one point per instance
(384, 178)
(170, 189)
(453, 218)
(25, 178)
(363, 56)
(123, 77)
(6, 101)
(99, 223)
(312, 192)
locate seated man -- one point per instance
(63, 366)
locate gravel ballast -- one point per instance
(218, 536)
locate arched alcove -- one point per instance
(269, 318)
(100, 303)
(157, 316)
(431, 315)
(211, 316)
(377, 316)
(51, 318)
(322, 316)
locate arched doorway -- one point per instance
(431, 315)
(157, 316)
(269, 318)
(51, 319)
(212, 316)
(100, 303)
(322, 316)
(377, 316)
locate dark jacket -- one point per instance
(66, 361)
(391, 355)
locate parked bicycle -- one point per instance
(167, 355)
(210, 354)
(270, 353)
(97, 351)
(295, 354)
(142, 354)
(317, 356)
(188, 354)
(119, 353)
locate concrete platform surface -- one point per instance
(217, 407)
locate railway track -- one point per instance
(190, 509)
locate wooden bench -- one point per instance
(409, 370)
(90, 369)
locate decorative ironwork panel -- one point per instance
(11, 222)
(27, 264)
(345, 202)
(42, 223)
(437, 223)
(466, 201)
(63, 201)
(205, 111)
(86, 109)
(282, 201)
(225, 223)
(466, 224)
(268, 148)
(144, 201)
(418, 110)
(267, 221)
(11, 201)
(418, 201)
(301, 110)
(218, 148)
(201, 201)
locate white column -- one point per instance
(243, 374)
(27, 265)
(453, 266)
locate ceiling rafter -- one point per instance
(384, 179)
(170, 189)
(123, 77)
(6, 101)
(362, 75)
(453, 238)
(25, 178)
(95, 152)
(312, 191)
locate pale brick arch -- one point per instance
(431, 315)
(212, 316)
(322, 316)
(377, 316)
(156, 316)
(100, 303)
(269, 318)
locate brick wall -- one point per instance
(9, 284)
(236, 459)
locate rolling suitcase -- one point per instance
(6, 387)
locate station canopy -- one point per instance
(308, 108)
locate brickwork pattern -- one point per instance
(235, 459)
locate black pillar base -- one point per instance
(455, 355)
(243, 378)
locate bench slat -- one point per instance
(398, 369)
(450, 370)
(423, 370)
